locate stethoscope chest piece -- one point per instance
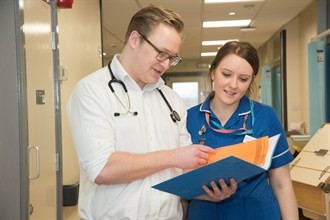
(175, 116)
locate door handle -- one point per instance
(37, 153)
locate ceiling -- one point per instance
(267, 17)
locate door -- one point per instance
(41, 116)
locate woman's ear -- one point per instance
(212, 72)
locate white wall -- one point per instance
(299, 34)
(80, 44)
(294, 76)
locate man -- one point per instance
(129, 129)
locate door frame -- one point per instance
(14, 165)
(14, 187)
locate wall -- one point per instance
(80, 43)
(294, 76)
(299, 32)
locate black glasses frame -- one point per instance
(162, 55)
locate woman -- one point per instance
(224, 119)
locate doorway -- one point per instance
(193, 88)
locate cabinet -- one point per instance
(310, 173)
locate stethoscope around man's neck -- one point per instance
(173, 114)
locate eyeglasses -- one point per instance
(162, 55)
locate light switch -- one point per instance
(40, 97)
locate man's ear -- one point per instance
(134, 39)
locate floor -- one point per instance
(70, 213)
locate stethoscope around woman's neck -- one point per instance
(173, 114)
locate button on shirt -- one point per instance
(97, 133)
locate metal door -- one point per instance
(40, 101)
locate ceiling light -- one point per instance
(229, 23)
(229, 1)
(203, 65)
(216, 42)
(232, 13)
(208, 54)
(247, 29)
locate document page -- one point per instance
(257, 151)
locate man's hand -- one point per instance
(193, 156)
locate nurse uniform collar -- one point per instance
(239, 131)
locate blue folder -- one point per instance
(189, 185)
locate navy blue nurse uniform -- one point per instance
(254, 198)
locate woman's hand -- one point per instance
(217, 194)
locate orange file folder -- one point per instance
(254, 151)
(238, 161)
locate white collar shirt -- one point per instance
(97, 133)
